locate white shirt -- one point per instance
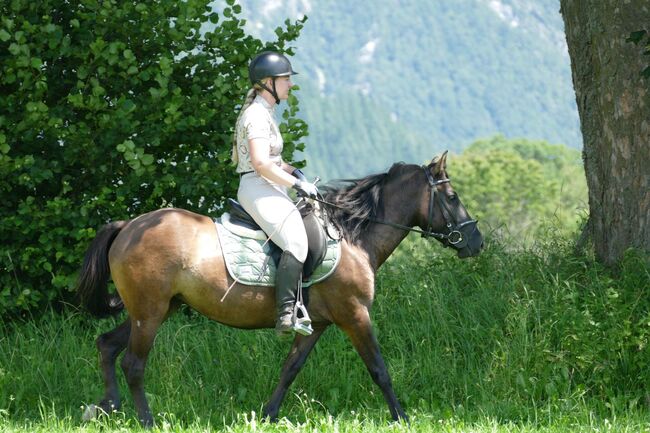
(257, 122)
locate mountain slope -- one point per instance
(402, 80)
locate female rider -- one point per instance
(264, 177)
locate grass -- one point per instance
(585, 422)
(534, 340)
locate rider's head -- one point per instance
(272, 72)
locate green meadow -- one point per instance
(529, 339)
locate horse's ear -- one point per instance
(439, 163)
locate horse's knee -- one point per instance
(110, 344)
(103, 344)
(380, 376)
(107, 351)
(133, 369)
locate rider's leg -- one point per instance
(277, 215)
(287, 279)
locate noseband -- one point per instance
(453, 236)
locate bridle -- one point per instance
(454, 236)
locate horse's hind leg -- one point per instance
(133, 364)
(300, 349)
(110, 345)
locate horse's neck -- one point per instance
(380, 240)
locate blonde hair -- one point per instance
(248, 100)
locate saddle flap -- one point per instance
(317, 244)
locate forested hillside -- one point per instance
(404, 80)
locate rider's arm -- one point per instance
(260, 151)
(288, 167)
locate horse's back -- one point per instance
(162, 253)
(176, 253)
(161, 232)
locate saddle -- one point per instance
(316, 235)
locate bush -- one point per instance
(109, 110)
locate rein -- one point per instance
(453, 237)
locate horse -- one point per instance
(169, 257)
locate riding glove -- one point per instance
(305, 189)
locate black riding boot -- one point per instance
(287, 278)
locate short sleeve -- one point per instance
(257, 125)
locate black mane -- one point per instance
(359, 201)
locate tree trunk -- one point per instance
(614, 106)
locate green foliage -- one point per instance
(108, 110)
(352, 137)
(517, 187)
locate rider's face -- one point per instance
(282, 87)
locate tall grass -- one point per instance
(514, 340)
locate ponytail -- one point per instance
(250, 96)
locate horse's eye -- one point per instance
(452, 197)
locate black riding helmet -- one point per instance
(269, 64)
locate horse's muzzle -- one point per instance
(473, 241)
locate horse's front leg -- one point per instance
(300, 349)
(363, 338)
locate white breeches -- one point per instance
(271, 208)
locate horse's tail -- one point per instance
(92, 286)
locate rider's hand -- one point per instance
(305, 189)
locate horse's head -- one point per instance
(443, 215)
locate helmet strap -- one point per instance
(273, 91)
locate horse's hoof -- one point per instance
(267, 417)
(146, 420)
(93, 411)
(402, 419)
(109, 406)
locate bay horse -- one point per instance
(162, 259)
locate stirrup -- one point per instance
(301, 325)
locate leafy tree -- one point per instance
(518, 187)
(108, 110)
